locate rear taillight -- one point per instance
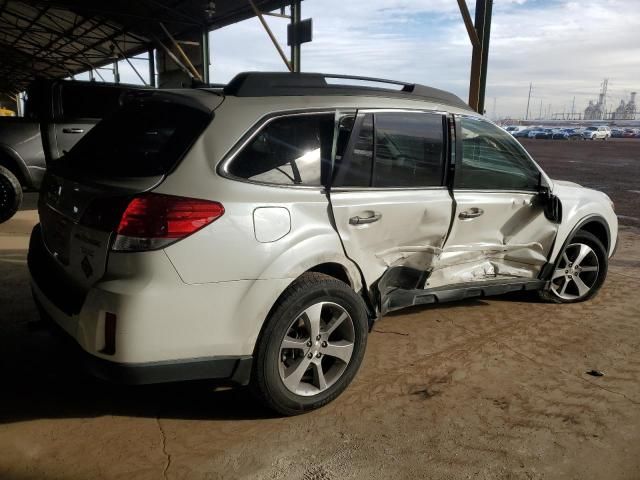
(151, 221)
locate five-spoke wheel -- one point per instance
(317, 349)
(311, 346)
(580, 270)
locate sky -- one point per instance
(565, 48)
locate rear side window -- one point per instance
(394, 150)
(139, 140)
(89, 101)
(409, 150)
(291, 150)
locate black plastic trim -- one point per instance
(236, 369)
(399, 299)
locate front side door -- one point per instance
(499, 229)
(388, 198)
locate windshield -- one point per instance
(139, 140)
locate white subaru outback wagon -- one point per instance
(254, 233)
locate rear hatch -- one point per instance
(84, 194)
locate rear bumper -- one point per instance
(235, 369)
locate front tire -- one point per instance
(311, 346)
(580, 270)
(10, 194)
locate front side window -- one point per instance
(393, 150)
(492, 159)
(291, 150)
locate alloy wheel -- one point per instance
(316, 349)
(577, 272)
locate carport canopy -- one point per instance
(61, 38)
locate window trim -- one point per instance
(459, 156)
(445, 141)
(253, 131)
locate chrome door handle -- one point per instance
(471, 213)
(73, 130)
(362, 220)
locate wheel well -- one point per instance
(334, 270)
(599, 230)
(10, 164)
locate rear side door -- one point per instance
(388, 197)
(499, 229)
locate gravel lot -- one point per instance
(485, 389)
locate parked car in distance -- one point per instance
(597, 133)
(57, 114)
(256, 232)
(513, 129)
(545, 133)
(617, 132)
(522, 133)
(631, 133)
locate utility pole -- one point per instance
(573, 107)
(540, 113)
(526, 117)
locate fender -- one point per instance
(547, 270)
(16, 164)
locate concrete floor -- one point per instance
(485, 389)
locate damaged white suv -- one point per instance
(254, 233)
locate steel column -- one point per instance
(480, 54)
(204, 47)
(152, 68)
(296, 17)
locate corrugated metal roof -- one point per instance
(58, 38)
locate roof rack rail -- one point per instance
(269, 84)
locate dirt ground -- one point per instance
(486, 389)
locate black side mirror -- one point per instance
(551, 204)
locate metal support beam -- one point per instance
(271, 35)
(479, 37)
(194, 70)
(152, 68)
(296, 17)
(205, 55)
(116, 72)
(485, 35)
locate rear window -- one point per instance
(139, 140)
(89, 101)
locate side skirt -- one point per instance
(399, 298)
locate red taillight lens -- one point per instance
(153, 220)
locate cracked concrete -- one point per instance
(163, 437)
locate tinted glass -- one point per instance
(492, 159)
(354, 170)
(292, 150)
(89, 101)
(139, 140)
(409, 150)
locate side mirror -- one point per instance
(551, 204)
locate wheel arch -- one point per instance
(594, 224)
(10, 159)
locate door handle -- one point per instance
(73, 130)
(362, 220)
(471, 213)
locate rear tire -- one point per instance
(579, 272)
(10, 194)
(311, 346)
